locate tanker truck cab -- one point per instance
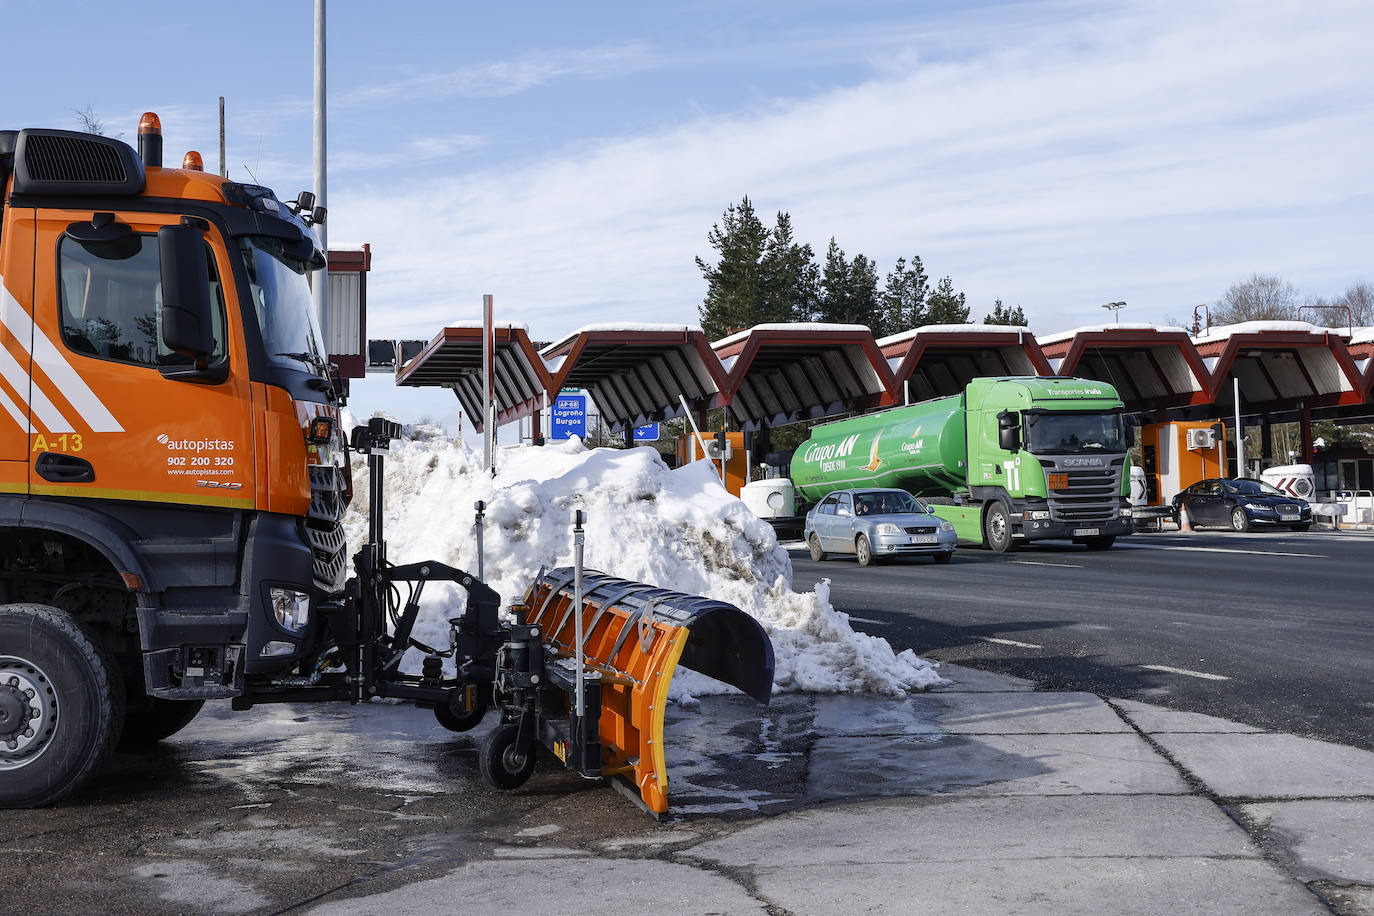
(1047, 458)
(172, 474)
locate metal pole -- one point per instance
(319, 292)
(222, 172)
(691, 419)
(481, 555)
(579, 539)
(488, 431)
(1240, 432)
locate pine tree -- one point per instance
(865, 307)
(789, 277)
(734, 294)
(904, 297)
(1003, 315)
(834, 290)
(945, 306)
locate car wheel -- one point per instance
(943, 558)
(814, 543)
(997, 530)
(1239, 520)
(61, 705)
(864, 550)
(1303, 527)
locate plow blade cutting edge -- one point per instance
(634, 637)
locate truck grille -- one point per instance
(1092, 495)
(328, 546)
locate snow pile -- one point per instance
(677, 529)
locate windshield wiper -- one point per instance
(310, 359)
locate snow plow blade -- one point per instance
(635, 635)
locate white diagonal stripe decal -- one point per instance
(44, 410)
(47, 357)
(13, 410)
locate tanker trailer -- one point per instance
(1006, 461)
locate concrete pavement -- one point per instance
(983, 797)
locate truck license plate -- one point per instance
(923, 539)
(1084, 532)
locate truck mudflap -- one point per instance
(634, 638)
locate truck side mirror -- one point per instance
(186, 317)
(1008, 431)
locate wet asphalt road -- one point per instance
(1273, 629)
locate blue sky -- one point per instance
(570, 158)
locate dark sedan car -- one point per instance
(1241, 503)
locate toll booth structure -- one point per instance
(1153, 368)
(346, 325)
(637, 374)
(453, 359)
(941, 359)
(782, 373)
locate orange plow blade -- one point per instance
(634, 637)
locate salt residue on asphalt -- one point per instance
(677, 529)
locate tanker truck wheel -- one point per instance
(814, 543)
(501, 759)
(465, 709)
(997, 529)
(61, 705)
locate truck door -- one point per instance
(16, 343)
(116, 428)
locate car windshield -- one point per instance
(1071, 433)
(281, 297)
(887, 502)
(1251, 488)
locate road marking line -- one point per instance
(1038, 563)
(876, 623)
(1010, 642)
(1184, 671)
(1261, 553)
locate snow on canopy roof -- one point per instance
(952, 329)
(622, 326)
(1094, 328)
(788, 326)
(1362, 336)
(1221, 332)
(464, 323)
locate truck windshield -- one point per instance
(1071, 433)
(281, 297)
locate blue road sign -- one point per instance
(569, 417)
(646, 433)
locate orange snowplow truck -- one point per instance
(172, 480)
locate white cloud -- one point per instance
(1151, 153)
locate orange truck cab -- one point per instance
(172, 474)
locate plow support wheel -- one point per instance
(636, 635)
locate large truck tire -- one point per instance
(997, 529)
(61, 705)
(150, 719)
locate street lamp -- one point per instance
(1115, 308)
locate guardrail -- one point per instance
(1356, 507)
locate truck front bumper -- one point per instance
(1034, 529)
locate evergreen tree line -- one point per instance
(764, 275)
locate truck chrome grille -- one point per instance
(1092, 494)
(323, 531)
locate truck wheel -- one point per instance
(1239, 520)
(501, 760)
(464, 711)
(997, 529)
(814, 543)
(61, 705)
(863, 550)
(1101, 543)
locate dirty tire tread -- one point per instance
(813, 544)
(863, 551)
(101, 690)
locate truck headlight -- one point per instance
(1127, 512)
(291, 608)
(946, 525)
(887, 528)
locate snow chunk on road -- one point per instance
(677, 529)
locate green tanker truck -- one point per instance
(1008, 460)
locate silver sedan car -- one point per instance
(873, 524)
